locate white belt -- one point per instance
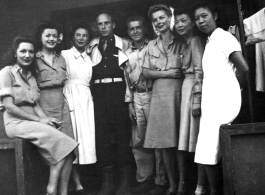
(108, 80)
(77, 82)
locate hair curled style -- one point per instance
(87, 27)
(136, 18)
(43, 25)
(205, 4)
(10, 57)
(159, 7)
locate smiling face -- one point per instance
(205, 20)
(49, 38)
(183, 25)
(80, 38)
(136, 31)
(105, 25)
(161, 21)
(25, 54)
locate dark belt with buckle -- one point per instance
(143, 90)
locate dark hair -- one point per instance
(136, 18)
(195, 30)
(40, 29)
(184, 11)
(83, 26)
(159, 7)
(9, 57)
(205, 4)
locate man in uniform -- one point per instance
(111, 112)
(140, 92)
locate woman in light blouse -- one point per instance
(162, 63)
(25, 119)
(51, 76)
(191, 92)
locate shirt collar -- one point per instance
(158, 39)
(214, 33)
(18, 69)
(40, 55)
(109, 39)
(77, 54)
(135, 48)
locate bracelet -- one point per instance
(38, 120)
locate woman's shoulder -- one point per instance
(197, 40)
(6, 70)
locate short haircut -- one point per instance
(108, 14)
(205, 4)
(87, 27)
(159, 7)
(136, 18)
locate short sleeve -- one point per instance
(5, 85)
(229, 44)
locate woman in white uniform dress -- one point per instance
(225, 72)
(78, 95)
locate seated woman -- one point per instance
(25, 119)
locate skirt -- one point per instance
(189, 125)
(52, 144)
(163, 121)
(55, 105)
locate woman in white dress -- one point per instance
(225, 72)
(78, 95)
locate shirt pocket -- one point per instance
(43, 74)
(20, 93)
(174, 61)
(156, 60)
(63, 73)
(186, 60)
(134, 76)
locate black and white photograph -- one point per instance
(132, 97)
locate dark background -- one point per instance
(21, 17)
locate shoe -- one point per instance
(107, 187)
(171, 193)
(158, 190)
(143, 187)
(124, 187)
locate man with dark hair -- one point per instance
(111, 112)
(140, 89)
